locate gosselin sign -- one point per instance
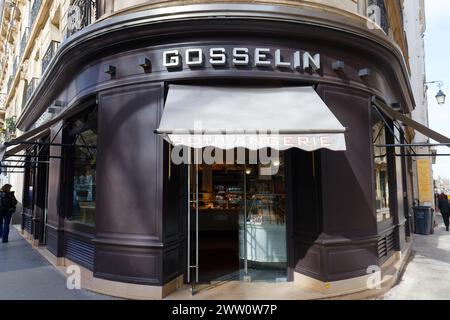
(242, 57)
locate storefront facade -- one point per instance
(118, 206)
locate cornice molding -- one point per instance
(158, 4)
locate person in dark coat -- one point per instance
(444, 207)
(8, 204)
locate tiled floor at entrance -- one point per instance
(235, 290)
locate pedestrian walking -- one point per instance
(8, 204)
(444, 207)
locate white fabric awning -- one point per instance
(252, 118)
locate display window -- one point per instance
(82, 168)
(381, 171)
(29, 185)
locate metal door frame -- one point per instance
(190, 266)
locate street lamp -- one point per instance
(440, 96)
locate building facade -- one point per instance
(87, 85)
(415, 27)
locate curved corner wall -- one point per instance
(140, 234)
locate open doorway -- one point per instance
(238, 222)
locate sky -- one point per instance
(437, 50)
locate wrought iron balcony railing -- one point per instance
(14, 69)
(378, 12)
(34, 11)
(10, 80)
(2, 102)
(31, 87)
(23, 42)
(12, 75)
(49, 54)
(81, 14)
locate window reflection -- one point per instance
(381, 172)
(28, 203)
(83, 170)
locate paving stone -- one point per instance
(26, 275)
(427, 275)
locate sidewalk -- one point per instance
(26, 275)
(427, 276)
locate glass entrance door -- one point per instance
(237, 223)
(262, 236)
(215, 210)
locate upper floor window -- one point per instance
(34, 10)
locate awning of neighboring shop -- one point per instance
(16, 148)
(395, 115)
(32, 137)
(247, 117)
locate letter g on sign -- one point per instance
(172, 59)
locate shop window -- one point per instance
(28, 195)
(82, 169)
(381, 168)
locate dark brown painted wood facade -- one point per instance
(140, 232)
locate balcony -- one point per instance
(81, 14)
(12, 31)
(2, 103)
(14, 69)
(49, 54)
(12, 75)
(23, 42)
(31, 87)
(34, 11)
(378, 13)
(10, 81)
